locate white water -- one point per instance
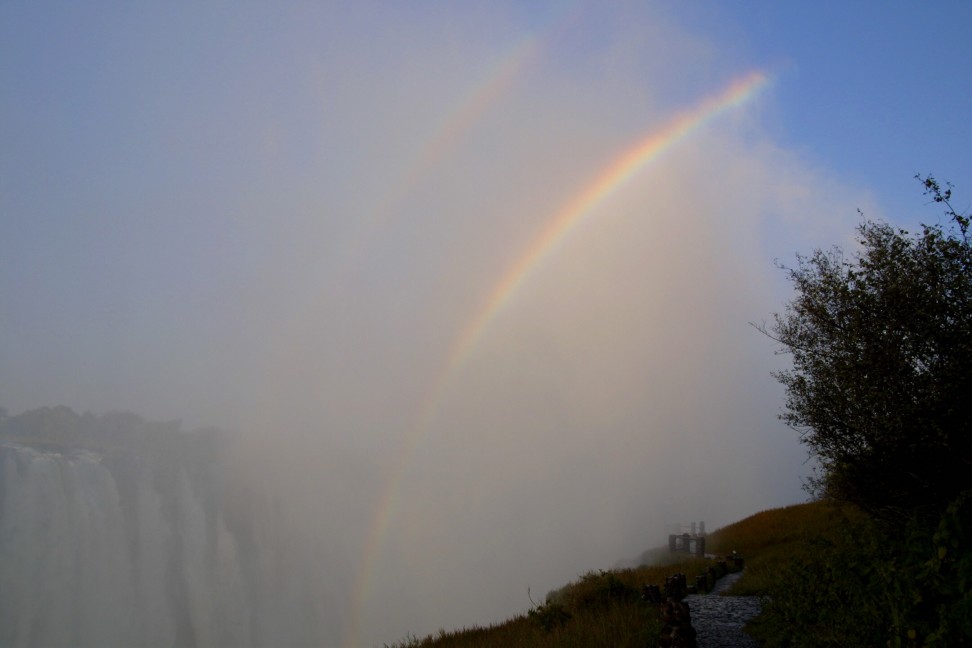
(141, 551)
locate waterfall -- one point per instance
(145, 542)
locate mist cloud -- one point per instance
(279, 253)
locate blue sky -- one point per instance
(278, 219)
(874, 91)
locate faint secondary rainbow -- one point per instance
(481, 96)
(581, 206)
(447, 136)
(475, 104)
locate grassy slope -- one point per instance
(771, 539)
(605, 608)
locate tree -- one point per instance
(881, 344)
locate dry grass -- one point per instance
(771, 539)
(600, 609)
(605, 609)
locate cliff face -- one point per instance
(146, 542)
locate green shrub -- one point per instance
(868, 583)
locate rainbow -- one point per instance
(613, 177)
(581, 206)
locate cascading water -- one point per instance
(141, 537)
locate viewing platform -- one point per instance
(689, 539)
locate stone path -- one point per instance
(719, 620)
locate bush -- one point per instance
(867, 583)
(881, 343)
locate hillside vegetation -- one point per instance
(606, 608)
(602, 608)
(825, 571)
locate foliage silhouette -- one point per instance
(881, 343)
